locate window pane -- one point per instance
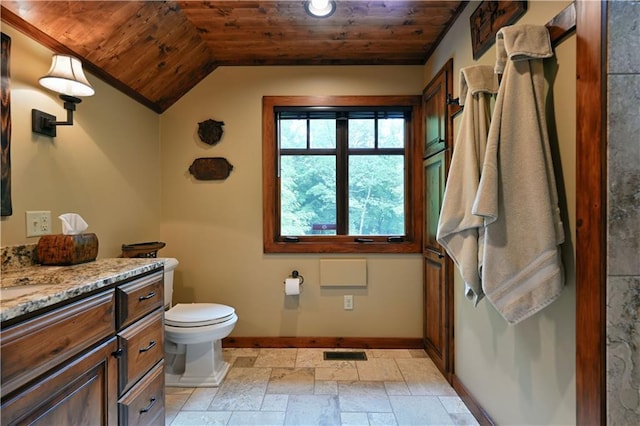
(307, 194)
(376, 195)
(323, 133)
(293, 134)
(362, 133)
(391, 133)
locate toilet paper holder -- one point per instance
(295, 274)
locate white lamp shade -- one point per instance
(66, 77)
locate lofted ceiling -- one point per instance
(156, 51)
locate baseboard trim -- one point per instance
(478, 412)
(324, 342)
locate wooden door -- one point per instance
(437, 277)
(435, 313)
(437, 127)
(438, 297)
(84, 392)
(435, 168)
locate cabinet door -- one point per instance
(437, 129)
(436, 312)
(434, 180)
(437, 287)
(82, 392)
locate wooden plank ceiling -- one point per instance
(156, 51)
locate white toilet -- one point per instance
(193, 335)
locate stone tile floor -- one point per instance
(298, 387)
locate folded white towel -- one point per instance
(459, 231)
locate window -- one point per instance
(340, 174)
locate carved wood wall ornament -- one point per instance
(488, 18)
(210, 131)
(210, 168)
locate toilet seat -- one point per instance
(198, 314)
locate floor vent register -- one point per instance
(345, 356)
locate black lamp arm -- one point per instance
(70, 103)
(45, 124)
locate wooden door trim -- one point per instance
(591, 218)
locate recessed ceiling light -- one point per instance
(320, 8)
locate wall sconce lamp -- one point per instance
(320, 8)
(67, 78)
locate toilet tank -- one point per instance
(170, 265)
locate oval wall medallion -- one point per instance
(210, 168)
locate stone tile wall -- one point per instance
(623, 239)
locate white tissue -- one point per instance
(72, 224)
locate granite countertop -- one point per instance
(26, 289)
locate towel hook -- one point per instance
(451, 100)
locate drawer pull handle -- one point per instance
(146, 409)
(148, 348)
(117, 353)
(148, 296)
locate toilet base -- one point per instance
(204, 367)
(180, 381)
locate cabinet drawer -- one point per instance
(138, 298)
(34, 346)
(144, 403)
(142, 346)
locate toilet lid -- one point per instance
(197, 314)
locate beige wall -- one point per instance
(215, 228)
(105, 167)
(522, 374)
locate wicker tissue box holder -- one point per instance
(67, 249)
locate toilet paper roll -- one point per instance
(292, 286)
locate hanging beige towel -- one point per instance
(459, 231)
(517, 197)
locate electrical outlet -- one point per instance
(38, 223)
(348, 302)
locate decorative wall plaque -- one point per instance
(210, 168)
(210, 131)
(488, 18)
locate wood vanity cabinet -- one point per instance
(57, 367)
(98, 360)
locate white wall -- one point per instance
(522, 374)
(105, 167)
(215, 228)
